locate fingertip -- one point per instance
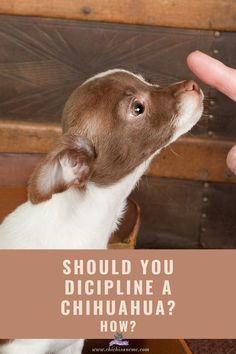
(194, 54)
(191, 57)
(194, 57)
(231, 159)
(195, 62)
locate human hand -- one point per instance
(215, 74)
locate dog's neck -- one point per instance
(98, 210)
(71, 220)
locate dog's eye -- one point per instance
(137, 108)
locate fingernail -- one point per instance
(231, 159)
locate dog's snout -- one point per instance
(191, 85)
(186, 86)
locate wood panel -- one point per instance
(10, 198)
(196, 159)
(27, 137)
(186, 214)
(218, 227)
(216, 346)
(224, 47)
(43, 60)
(15, 169)
(170, 211)
(189, 158)
(210, 14)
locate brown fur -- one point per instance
(99, 111)
(78, 151)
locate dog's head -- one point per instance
(111, 124)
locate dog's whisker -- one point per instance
(174, 152)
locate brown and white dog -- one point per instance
(113, 125)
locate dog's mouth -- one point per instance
(189, 99)
(196, 94)
(197, 97)
(190, 88)
(190, 107)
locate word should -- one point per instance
(116, 267)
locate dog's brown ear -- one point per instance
(70, 163)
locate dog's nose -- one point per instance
(190, 85)
(186, 86)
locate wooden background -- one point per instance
(197, 14)
(188, 196)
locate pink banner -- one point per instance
(96, 294)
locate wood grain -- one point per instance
(210, 14)
(170, 211)
(27, 137)
(218, 228)
(10, 198)
(189, 158)
(198, 159)
(15, 169)
(43, 60)
(186, 214)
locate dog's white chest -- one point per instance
(70, 220)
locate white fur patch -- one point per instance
(64, 221)
(68, 171)
(191, 108)
(113, 71)
(43, 346)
